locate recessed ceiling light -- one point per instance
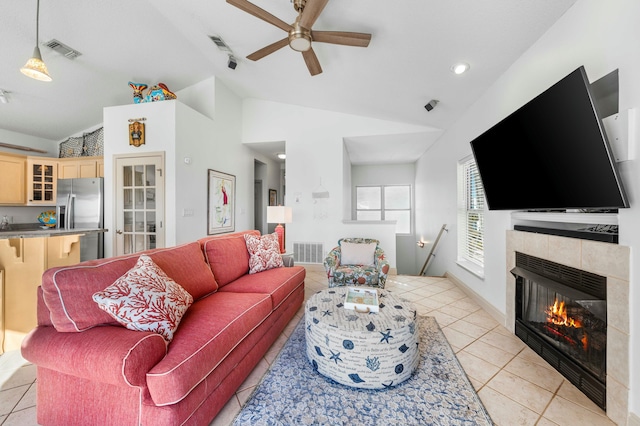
(282, 156)
(460, 68)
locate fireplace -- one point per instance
(604, 259)
(561, 313)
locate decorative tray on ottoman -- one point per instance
(362, 299)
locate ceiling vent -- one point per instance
(62, 49)
(220, 43)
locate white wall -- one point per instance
(28, 141)
(315, 156)
(227, 154)
(26, 214)
(182, 132)
(380, 174)
(160, 130)
(194, 138)
(602, 36)
(390, 174)
(269, 172)
(346, 184)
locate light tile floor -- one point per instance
(516, 386)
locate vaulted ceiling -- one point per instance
(414, 43)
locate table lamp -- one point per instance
(279, 215)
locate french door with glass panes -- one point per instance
(139, 203)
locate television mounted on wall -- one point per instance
(551, 154)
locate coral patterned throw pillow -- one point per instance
(264, 252)
(145, 299)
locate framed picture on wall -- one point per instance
(273, 197)
(221, 202)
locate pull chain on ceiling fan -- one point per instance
(300, 34)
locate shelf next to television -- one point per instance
(587, 226)
(568, 217)
(590, 233)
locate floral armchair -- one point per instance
(371, 273)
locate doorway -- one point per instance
(258, 216)
(259, 196)
(139, 203)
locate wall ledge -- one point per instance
(369, 222)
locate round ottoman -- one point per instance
(372, 350)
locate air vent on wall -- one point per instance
(62, 49)
(308, 252)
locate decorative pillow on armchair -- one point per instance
(145, 299)
(357, 253)
(264, 252)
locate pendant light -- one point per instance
(35, 67)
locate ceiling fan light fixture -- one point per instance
(299, 38)
(300, 44)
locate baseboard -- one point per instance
(488, 307)
(633, 420)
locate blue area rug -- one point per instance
(293, 393)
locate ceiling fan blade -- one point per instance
(342, 37)
(267, 50)
(312, 62)
(311, 11)
(260, 13)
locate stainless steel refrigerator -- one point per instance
(80, 205)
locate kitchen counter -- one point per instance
(26, 251)
(49, 232)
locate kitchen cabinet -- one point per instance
(84, 167)
(42, 174)
(32, 181)
(12, 179)
(100, 167)
(22, 263)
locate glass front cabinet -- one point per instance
(41, 182)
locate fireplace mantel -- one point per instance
(568, 217)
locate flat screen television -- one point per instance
(551, 154)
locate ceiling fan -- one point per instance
(300, 33)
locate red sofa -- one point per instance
(93, 371)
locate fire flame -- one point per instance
(557, 314)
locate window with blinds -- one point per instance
(470, 214)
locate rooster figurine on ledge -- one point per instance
(159, 92)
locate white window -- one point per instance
(470, 217)
(387, 202)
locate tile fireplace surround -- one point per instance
(606, 259)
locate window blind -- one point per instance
(470, 213)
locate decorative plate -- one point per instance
(48, 218)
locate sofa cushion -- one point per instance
(264, 252)
(278, 283)
(227, 255)
(145, 299)
(209, 331)
(68, 291)
(187, 266)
